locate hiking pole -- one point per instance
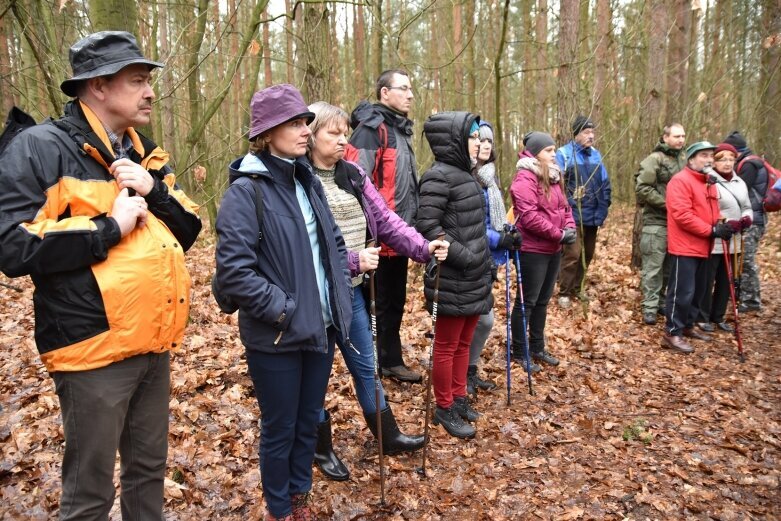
(422, 469)
(373, 312)
(507, 319)
(519, 289)
(731, 284)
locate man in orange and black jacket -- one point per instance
(90, 210)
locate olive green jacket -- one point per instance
(655, 172)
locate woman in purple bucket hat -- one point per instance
(290, 281)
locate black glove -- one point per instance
(494, 273)
(506, 240)
(722, 231)
(517, 239)
(569, 237)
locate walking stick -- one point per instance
(731, 284)
(373, 312)
(519, 280)
(507, 317)
(422, 469)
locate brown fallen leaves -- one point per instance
(620, 430)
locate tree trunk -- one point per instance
(677, 61)
(568, 77)
(114, 15)
(316, 53)
(499, 145)
(289, 35)
(769, 141)
(601, 55)
(651, 117)
(542, 99)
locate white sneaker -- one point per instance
(565, 303)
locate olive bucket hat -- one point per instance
(102, 54)
(699, 146)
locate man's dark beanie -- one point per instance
(581, 122)
(736, 140)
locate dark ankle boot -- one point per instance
(477, 382)
(325, 457)
(393, 440)
(453, 423)
(471, 384)
(462, 408)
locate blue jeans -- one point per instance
(290, 388)
(360, 363)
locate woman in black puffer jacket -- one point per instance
(452, 203)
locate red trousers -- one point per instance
(453, 336)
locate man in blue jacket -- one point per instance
(588, 192)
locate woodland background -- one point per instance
(621, 430)
(632, 65)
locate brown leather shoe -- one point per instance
(693, 333)
(677, 343)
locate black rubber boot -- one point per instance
(393, 440)
(453, 423)
(325, 457)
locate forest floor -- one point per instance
(622, 429)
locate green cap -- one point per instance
(699, 146)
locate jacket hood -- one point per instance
(665, 149)
(246, 166)
(447, 135)
(372, 114)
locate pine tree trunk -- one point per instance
(568, 81)
(769, 141)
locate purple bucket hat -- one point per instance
(276, 105)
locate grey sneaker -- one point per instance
(402, 373)
(565, 302)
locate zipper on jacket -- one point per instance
(279, 337)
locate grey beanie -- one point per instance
(535, 142)
(486, 132)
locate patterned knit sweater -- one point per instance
(347, 213)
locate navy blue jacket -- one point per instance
(276, 274)
(585, 176)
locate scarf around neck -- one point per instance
(486, 176)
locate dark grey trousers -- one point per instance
(123, 406)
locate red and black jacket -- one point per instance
(381, 144)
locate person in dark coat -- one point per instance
(751, 169)
(292, 287)
(361, 213)
(452, 203)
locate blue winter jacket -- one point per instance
(499, 254)
(584, 172)
(274, 275)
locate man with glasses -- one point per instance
(656, 170)
(382, 145)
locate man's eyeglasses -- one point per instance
(402, 88)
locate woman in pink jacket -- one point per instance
(545, 220)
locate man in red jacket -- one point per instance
(692, 225)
